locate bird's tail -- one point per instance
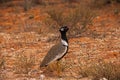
(43, 65)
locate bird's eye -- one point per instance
(62, 29)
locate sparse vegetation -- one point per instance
(70, 1)
(109, 71)
(2, 67)
(2, 63)
(3, 1)
(24, 64)
(101, 3)
(27, 4)
(77, 19)
(116, 11)
(57, 67)
(118, 1)
(38, 1)
(28, 30)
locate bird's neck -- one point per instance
(64, 40)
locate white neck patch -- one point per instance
(64, 42)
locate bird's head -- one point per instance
(64, 29)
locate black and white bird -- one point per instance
(58, 51)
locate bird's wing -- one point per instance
(52, 53)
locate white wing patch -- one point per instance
(60, 55)
(64, 42)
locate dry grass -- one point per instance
(24, 64)
(3, 1)
(57, 67)
(2, 67)
(55, 19)
(116, 11)
(109, 71)
(2, 63)
(81, 18)
(118, 1)
(76, 19)
(70, 1)
(38, 1)
(101, 3)
(27, 4)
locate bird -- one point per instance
(58, 51)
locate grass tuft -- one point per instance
(76, 19)
(109, 71)
(2, 67)
(24, 64)
(57, 68)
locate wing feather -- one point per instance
(52, 54)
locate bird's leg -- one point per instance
(59, 68)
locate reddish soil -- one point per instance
(23, 33)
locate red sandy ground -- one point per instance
(19, 35)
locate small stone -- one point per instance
(32, 79)
(103, 79)
(42, 77)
